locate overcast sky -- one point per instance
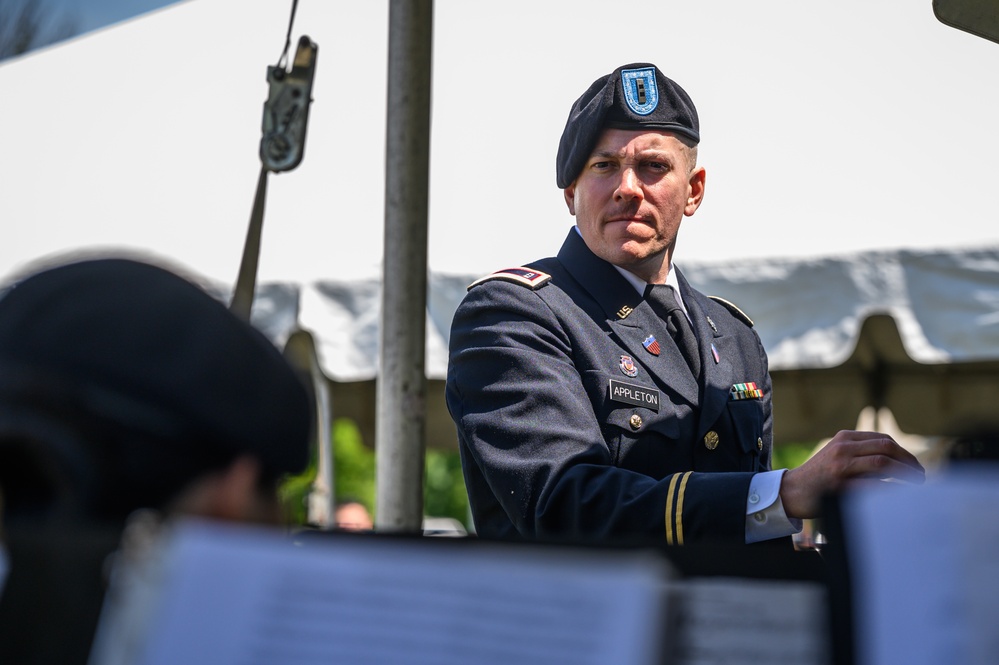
(827, 128)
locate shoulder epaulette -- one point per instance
(738, 313)
(533, 279)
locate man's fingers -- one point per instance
(873, 455)
(859, 444)
(849, 456)
(887, 467)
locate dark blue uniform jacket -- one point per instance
(569, 427)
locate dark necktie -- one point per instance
(664, 304)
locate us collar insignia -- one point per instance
(651, 345)
(624, 312)
(628, 366)
(640, 91)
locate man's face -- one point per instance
(630, 197)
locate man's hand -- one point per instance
(847, 456)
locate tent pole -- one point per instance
(401, 388)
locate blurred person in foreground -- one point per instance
(597, 394)
(125, 390)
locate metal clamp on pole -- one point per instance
(286, 111)
(286, 115)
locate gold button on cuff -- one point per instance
(635, 421)
(759, 443)
(711, 440)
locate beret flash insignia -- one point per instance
(640, 90)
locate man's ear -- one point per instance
(570, 193)
(695, 184)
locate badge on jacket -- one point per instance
(634, 394)
(628, 366)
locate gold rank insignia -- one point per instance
(674, 508)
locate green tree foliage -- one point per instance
(354, 476)
(353, 464)
(792, 455)
(293, 492)
(444, 493)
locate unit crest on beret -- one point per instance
(738, 313)
(533, 279)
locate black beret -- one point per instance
(635, 96)
(145, 351)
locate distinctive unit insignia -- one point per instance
(640, 90)
(628, 366)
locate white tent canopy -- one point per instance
(849, 152)
(809, 313)
(819, 319)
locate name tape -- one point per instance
(630, 393)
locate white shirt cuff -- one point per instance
(765, 517)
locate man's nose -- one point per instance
(630, 186)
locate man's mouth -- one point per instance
(627, 218)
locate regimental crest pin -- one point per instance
(640, 90)
(628, 366)
(651, 345)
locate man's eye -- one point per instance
(601, 165)
(660, 167)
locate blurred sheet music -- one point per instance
(243, 596)
(925, 571)
(739, 621)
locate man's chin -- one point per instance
(634, 253)
(641, 261)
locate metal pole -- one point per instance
(246, 282)
(401, 392)
(300, 350)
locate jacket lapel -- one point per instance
(630, 318)
(718, 375)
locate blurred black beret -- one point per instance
(160, 374)
(635, 96)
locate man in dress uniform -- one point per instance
(597, 395)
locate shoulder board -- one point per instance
(533, 279)
(738, 313)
